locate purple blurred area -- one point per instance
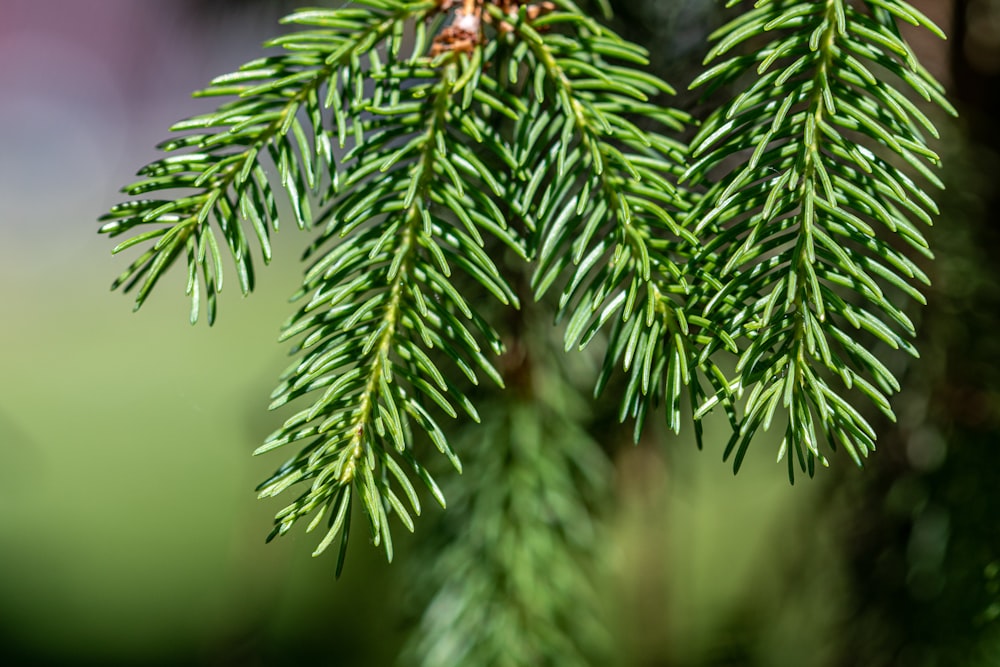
(88, 89)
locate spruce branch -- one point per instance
(810, 204)
(601, 159)
(382, 306)
(217, 181)
(410, 202)
(426, 140)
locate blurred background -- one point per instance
(129, 529)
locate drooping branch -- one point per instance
(804, 229)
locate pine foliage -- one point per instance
(814, 201)
(424, 143)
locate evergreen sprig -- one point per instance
(602, 157)
(382, 303)
(811, 206)
(422, 152)
(277, 112)
(433, 143)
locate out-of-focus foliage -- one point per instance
(512, 575)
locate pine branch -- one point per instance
(808, 163)
(527, 128)
(221, 178)
(384, 310)
(410, 203)
(601, 161)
